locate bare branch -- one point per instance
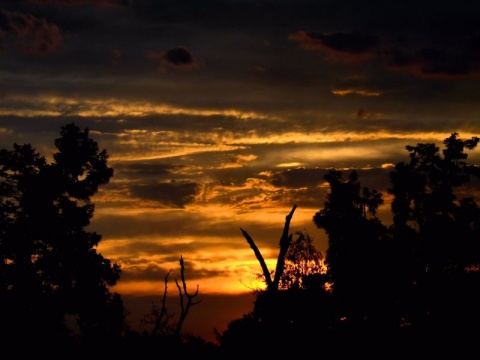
(285, 242)
(259, 257)
(160, 319)
(184, 308)
(164, 306)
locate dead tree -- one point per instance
(185, 308)
(285, 241)
(160, 318)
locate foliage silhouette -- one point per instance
(420, 275)
(386, 291)
(356, 248)
(436, 229)
(396, 290)
(293, 304)
(304, 266)
(49, 268)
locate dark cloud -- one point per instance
(306, 197)
(337, 41)
(457, 53)
(138, 250)
(354, 43)
(302, 185)
(433, 62)
(32, 35)
(150, 272)
(375, 178)
(146, 168)
(176, 194)
(169, 225)
(297, 178)
(340, 46)
(155, 272)
(178, 58)
(193, 225)
(313, 177)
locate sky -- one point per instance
(223, 114)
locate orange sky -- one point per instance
(224, 116)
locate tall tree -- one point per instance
(357, 243)
(426, 199)
(436, 228)
(49, 264)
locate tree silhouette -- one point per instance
(294, 302)
(49, 267)
(284, 244)
(436, 228)
(304, 266)
(162, 321)
(425, 200)
(412, 286)
(356, 251)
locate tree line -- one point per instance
(410, 284)
(390, 289)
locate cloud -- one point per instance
(376, 178)
(239, 160)
(446, 60)
(177, 58)
(32, 35)
(155, 272)
(143, 271)
(297, 178)
(338, 46)
(433, 62)
(146, 168)
(175, 194)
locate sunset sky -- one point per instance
(223, 114)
